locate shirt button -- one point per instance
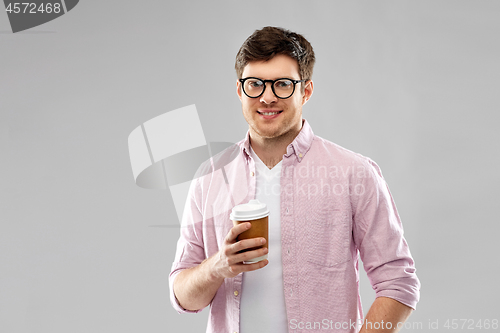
(236, 293)
(252, 174)
(300, 155)
(288, 251)
(287, 210)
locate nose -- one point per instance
(268, 96)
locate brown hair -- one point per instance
(268, 42)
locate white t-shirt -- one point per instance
(262, 307)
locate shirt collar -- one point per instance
(299, 146)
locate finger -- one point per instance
(248, 244)
(240, 268)
(246, 256)
(236, 230)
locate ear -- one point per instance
(238, 88)
(308, 91)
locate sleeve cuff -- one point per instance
(409, 300)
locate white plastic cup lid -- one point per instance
(252, 210)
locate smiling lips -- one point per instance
(269, 113)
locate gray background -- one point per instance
(412, 84)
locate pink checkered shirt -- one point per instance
(335, 208)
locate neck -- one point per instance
(271, 150)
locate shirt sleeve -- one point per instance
(378, 234)
(190, 247)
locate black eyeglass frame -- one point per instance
(272, 86)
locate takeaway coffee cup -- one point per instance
(257, 214)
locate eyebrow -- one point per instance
(277, 78)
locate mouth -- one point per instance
(269, 113)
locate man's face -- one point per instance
(286, 114)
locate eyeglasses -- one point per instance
(282, 88)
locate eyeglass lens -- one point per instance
(282, 88)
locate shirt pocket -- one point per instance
(328, 238)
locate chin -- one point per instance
(270, 134)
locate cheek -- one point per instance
(246, 106)
(298, 101)
(248, 103)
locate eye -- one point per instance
(253, 83)
(283, 84)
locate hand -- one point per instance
(228, 263)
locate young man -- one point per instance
(327, 205)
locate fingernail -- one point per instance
(263, 240)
